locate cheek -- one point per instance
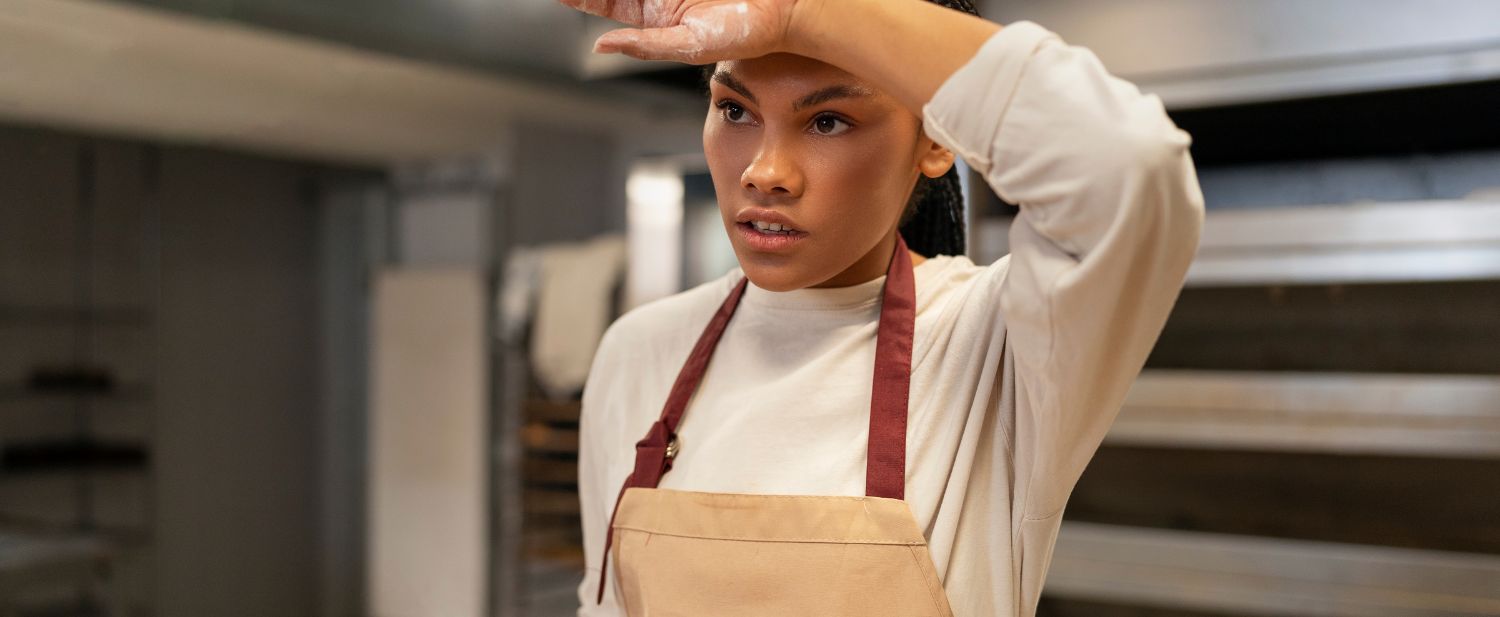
(868, 177)
(721, 156)
(727, 153)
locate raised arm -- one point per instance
(1111, 213)
(907, 48)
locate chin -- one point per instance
(775, 272)
(774, 278)
(779, 271)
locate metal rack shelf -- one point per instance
(1389, 414)
(72, 455)
(124, 392)
(30, 316)
(1268, 576)
(29, 559)
(1355, 243)
(1370, 242)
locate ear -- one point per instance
(933, 160)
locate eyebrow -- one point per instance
(820, 96)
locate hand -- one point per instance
(694, 31)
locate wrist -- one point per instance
(805, 27)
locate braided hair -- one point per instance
(933, 223)
(933, 220)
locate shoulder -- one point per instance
(665, 322)
(948, 279)
(641, 352)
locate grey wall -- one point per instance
(236, 467)
(568, 186)
(204, 267)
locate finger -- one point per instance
(677, 43)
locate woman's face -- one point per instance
(799, 143)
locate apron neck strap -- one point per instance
(885, 470)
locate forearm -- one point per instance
(907, 48)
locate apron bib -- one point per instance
(694, 553)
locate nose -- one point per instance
(774, 171)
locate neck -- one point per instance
(870, 266)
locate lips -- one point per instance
(768, 231)
(772, 228)
(765, 219)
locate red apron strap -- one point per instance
(885, 472)
(654, 452)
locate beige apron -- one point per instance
(702, 554)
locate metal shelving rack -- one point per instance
(45, 555)
(539, 445)
(1356, 423)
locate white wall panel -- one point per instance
(427, 483)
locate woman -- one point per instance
(786, 477)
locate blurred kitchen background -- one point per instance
(297, 298)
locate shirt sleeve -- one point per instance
(1111, 213)
(599, 437)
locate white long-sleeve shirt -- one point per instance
(1019, 367)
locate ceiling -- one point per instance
(539, 40)
(382, 80)
(1194, 53)
(137, 71)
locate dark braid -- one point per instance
(933, 221)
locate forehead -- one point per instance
(787, 74)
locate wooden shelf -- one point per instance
(550, 502)
(549, 510)
(543, 410)
(540, 470)
(539, 437)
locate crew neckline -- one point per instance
(830, 298)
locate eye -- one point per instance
(730, 111)
(830, 122)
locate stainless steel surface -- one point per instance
(1196, 53)
(1388, 414)
(1409, 241)
(1367, 242)
(1268, 576)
